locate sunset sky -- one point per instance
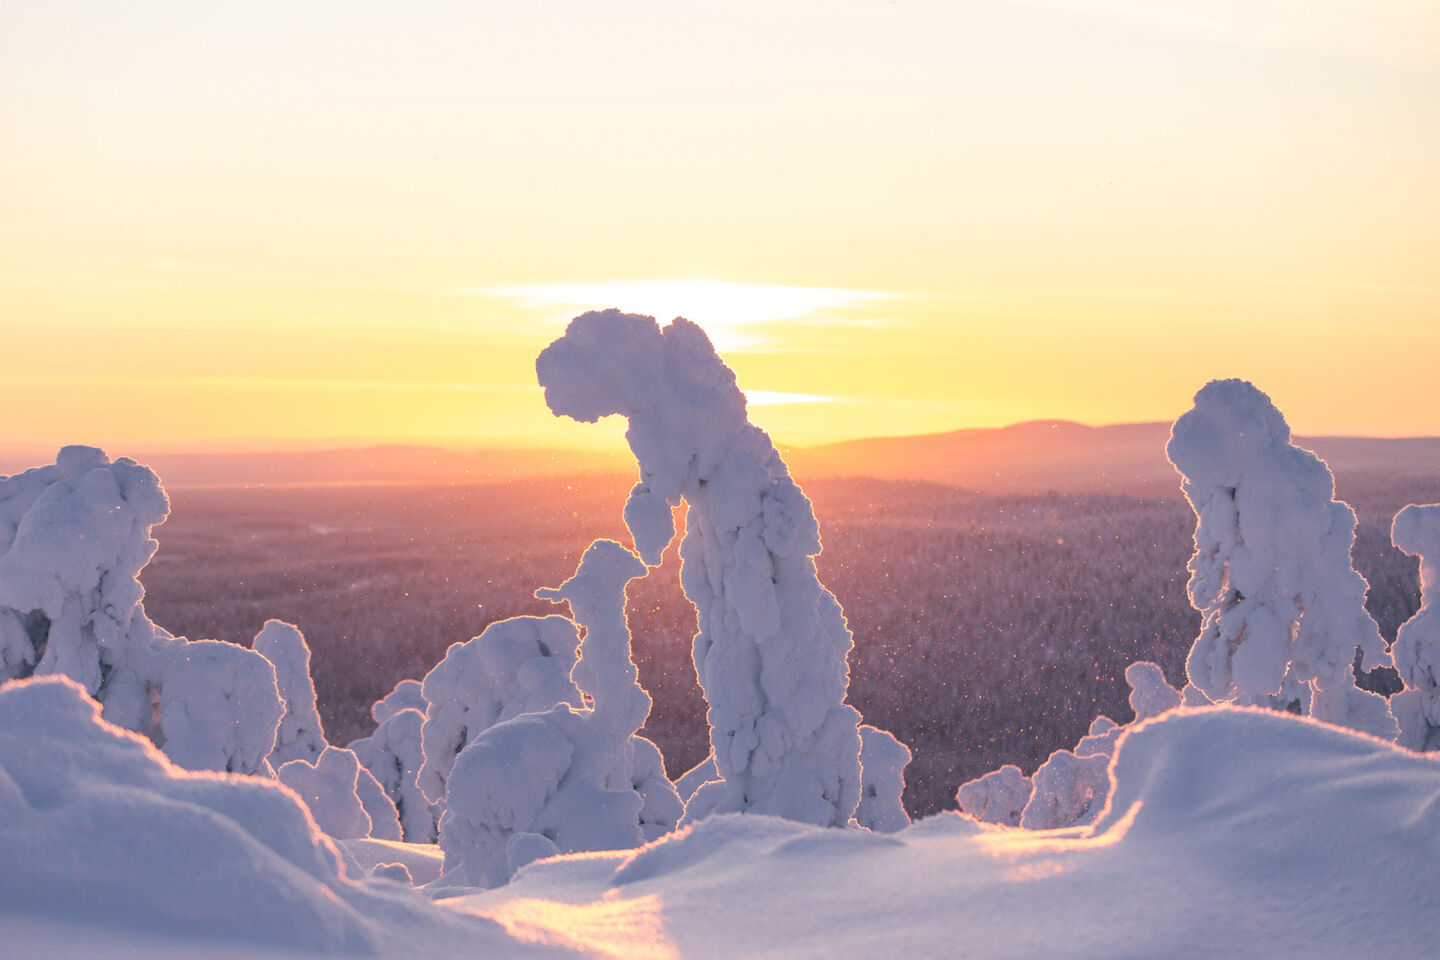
(271, 222)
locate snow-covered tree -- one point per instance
(1416, 530)
(566, 780)
(999, 796)
(1282, 607)
(883, 760)
(301, 735)
(393, 754)
(1150, 693)
(73, 539)
(519, 665)
(335, 788)
(771, 649)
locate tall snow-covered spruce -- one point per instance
(1282, 607)
(771, 647)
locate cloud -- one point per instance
(734, 314)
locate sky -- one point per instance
(261, 223)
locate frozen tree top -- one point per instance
(73, 539)
(1271, 575)
(770, 654)
(301, 735)
(605, 672)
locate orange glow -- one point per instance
(898, 218)
(611, 927)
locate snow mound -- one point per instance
(1230, 832)
(97, 826)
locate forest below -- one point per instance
(988, 628)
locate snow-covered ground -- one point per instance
(1229, 833)
(164, 798)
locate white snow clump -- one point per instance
(771, 647)
(394, 756)
(332, 788)
(883, 760)
(301, 735)
(520, 665)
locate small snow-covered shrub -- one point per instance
(771, 649)
(335, 788)
(393, 756)
(301, 735)
(999, 796)
(566, 780)
(882, 781)
(519, 665)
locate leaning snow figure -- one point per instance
(771, 647)
(1282, 607)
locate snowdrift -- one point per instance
(1230, 832)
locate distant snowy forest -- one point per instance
(1024, 657)
(980, 637)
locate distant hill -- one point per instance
(360, 466)
(1073, 458)
(1025, 458)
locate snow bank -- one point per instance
(96, 826)
(301, 735)
(1230, 833)
(1282, 607)
(1416, 530)
(519, 665)
(772, 642)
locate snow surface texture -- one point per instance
(1282, 607)
(1416, 530)
(772, 642)
(73, 539)
(999, 796)
(565, 780)
(516, 666)
(301, 735)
